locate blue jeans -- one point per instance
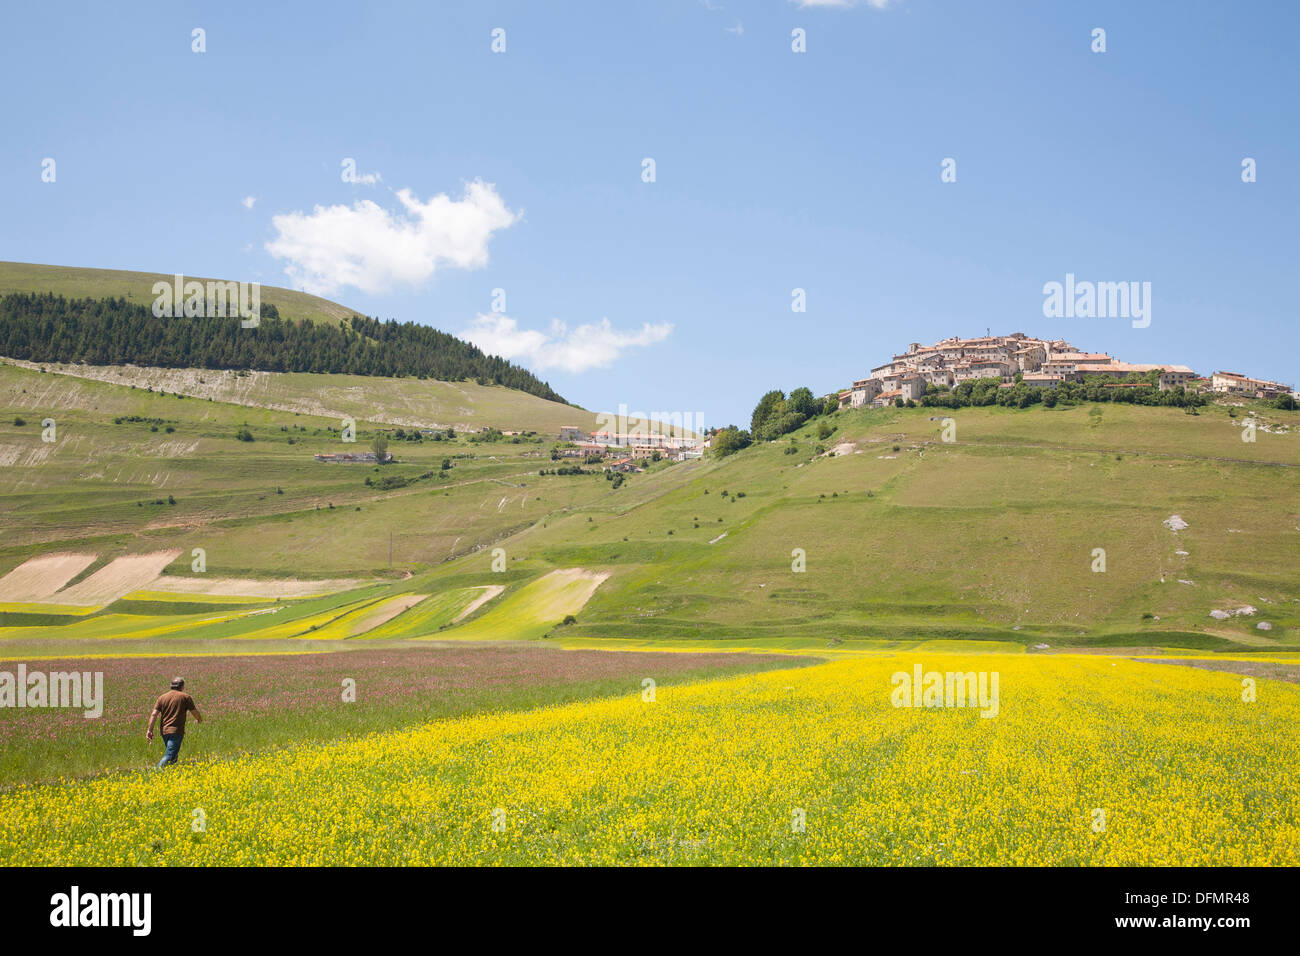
(173, 742)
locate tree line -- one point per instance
(1139, 389)
(42, 327)
(777, 414)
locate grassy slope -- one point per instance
(990, 538)
(395, 401)
(87, 487)
(74, 282)
(406, 402)
(961, 541)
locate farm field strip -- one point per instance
(40, 577)
(428, 617)
(535, 608)
(60, 610)
(129, 626)
(120, 576)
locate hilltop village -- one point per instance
(924, 374)
(1039, 363)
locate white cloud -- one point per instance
(595, 345)
(247, 201)
(372, 249)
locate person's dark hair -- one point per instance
(178, 683)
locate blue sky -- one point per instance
(774, 170)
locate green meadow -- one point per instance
(459, 580)
(1039, 529)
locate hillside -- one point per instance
(206, 329)
(137, 287)
(990, 537)
(395, 401)
(118, 446)
(906, 538)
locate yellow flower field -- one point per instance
(1182, 770)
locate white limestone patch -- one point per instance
(1222, 614)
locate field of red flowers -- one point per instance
(260, 701)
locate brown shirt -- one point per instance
(172, 707)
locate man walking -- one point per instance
(172, 708)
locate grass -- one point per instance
(989, 539)
(265, 702)
(977, 540)
(255, 508)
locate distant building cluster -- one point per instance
(629, 446)
(1231, 383)
(1040, 363)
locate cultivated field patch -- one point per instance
(535, 608)
(486, 593)
(39, 578)
(384, 611)
(247, 587)
(119, 577)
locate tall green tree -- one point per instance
(771, 404)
